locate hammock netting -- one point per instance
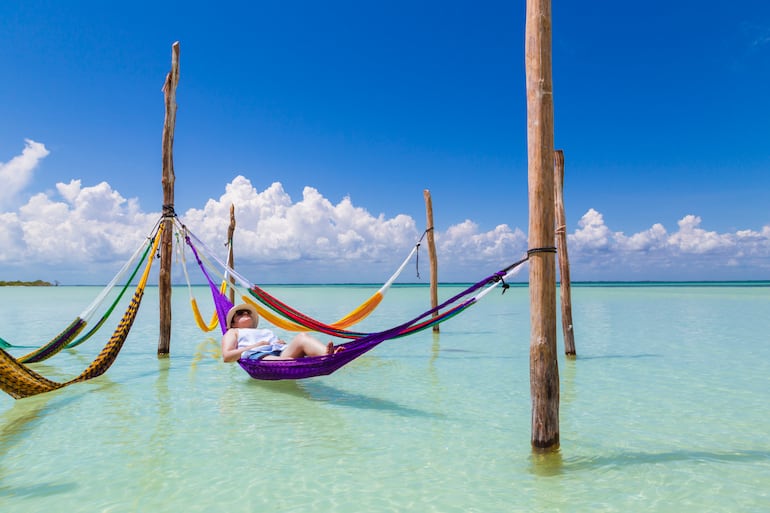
(361, 343)
(66, 339)
(356, 343)
(355, 316)
(19, 381)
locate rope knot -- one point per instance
(548, 249)
(168, 211)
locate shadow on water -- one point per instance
(315, 390)
(38, 490)
(19, 423)
(553, 464)
(618, 356)
(454, 354)
(651, 458)
(25, 414)
(288, 387)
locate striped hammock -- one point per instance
(19, 381)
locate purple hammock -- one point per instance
(311, 366)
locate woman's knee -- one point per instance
(302, 338)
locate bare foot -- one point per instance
(330, 349)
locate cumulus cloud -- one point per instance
(17, 173)
(82, 226)
(84, 233)
(468, 245)
(692, 239)
(94, 228)
(592, 235)
(274, 229)
(690, 253)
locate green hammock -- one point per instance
(19, 381)
(67, 337)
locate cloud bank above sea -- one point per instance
(82, 233)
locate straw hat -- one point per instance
(242, 306)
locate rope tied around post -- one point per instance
(547, 249)
(417, 256)
(499, 276)
(168, 211)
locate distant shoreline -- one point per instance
(18, 283)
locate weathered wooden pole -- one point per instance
(432, 255)
(561, 243)
(231, 250)
(543, 365)
(164, 278)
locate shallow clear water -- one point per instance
(665, 409)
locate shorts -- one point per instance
(261, 354)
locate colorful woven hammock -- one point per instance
(312, 366)
(19, 381)
(67, 336)
(355, 316)
(357, 344)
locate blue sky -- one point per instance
(324, 122)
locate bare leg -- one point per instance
(303, 345)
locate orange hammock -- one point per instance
(355, 316)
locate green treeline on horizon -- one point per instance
(17, 283)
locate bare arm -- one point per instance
(230, 350)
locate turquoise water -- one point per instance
(665, 409)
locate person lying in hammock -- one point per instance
(244, 340)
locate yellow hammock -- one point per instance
(193, 302)
(214, 317)
(19, 381)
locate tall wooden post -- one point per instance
(164, 278)
(543, 365)
(432, 255)
(230, 253)
(561, 243)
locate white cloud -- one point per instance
(273, 230)
(86, 225)
(692, 239)
(83, 234)
(16, 174)
(592, 235)
(691, 253)
(465, 244)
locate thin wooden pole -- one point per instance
(432, 255)
(230, 256)
(164, 277)
(561, 243)
(543, 365)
